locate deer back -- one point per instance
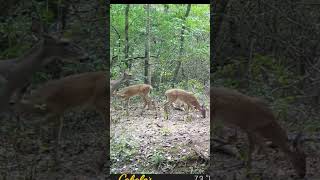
(235, 108)
(73, 91)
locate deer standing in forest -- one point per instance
(52, 99)
(17, 72)
(174, 95)
(254, 117)
(141, 90)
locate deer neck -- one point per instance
(8, 65)
(29, 64)
(196, 105)
(117, 83)
(29, 54)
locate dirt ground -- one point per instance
(148, 143)
(229, 162)
(22, 156)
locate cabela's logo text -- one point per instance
(133, 177)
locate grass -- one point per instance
(122, 150)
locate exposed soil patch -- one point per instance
(148, 143)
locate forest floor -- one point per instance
(148, 143)
(229, 162)
(139, 144)
(22, 156)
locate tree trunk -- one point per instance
(147, 73)
(176, 72)
(218, 10)
(126, 37)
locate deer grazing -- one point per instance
(17, 72)
(50, 101)
(174, 95)
(254, 117)
(115, 84)
(141, 90)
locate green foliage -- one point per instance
(191, 84)
(261, 67)
(226, 75)
(123, 149)
(165, 43)
(165, 131)
(268, 78)
(15, 51)
(281, 106)
(280, 72)
(158, 158)
(12, 31)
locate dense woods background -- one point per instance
(270, 49)
(84, 23)
(174, 52)
(166, 46)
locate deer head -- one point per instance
(62, 49)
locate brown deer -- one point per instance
(88, 90)
(179, 105)
(174, 95)
(17, 72)
(254, 117)
(141, 90)
(115, 84)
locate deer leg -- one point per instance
(127, 108)
(101, 108)
(57, 133)
(155, 108)
(54, 118)
(250, 150)
(145, 102)
(60, 130)
(165, 107)
(188, 109)
(149, 102)
(104, 116)
(260, 145)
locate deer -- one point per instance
(115, 84)
(141, 90)
(175, 95)
(17, 72)
(253, 116)
(51, 100)
(179, 105)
